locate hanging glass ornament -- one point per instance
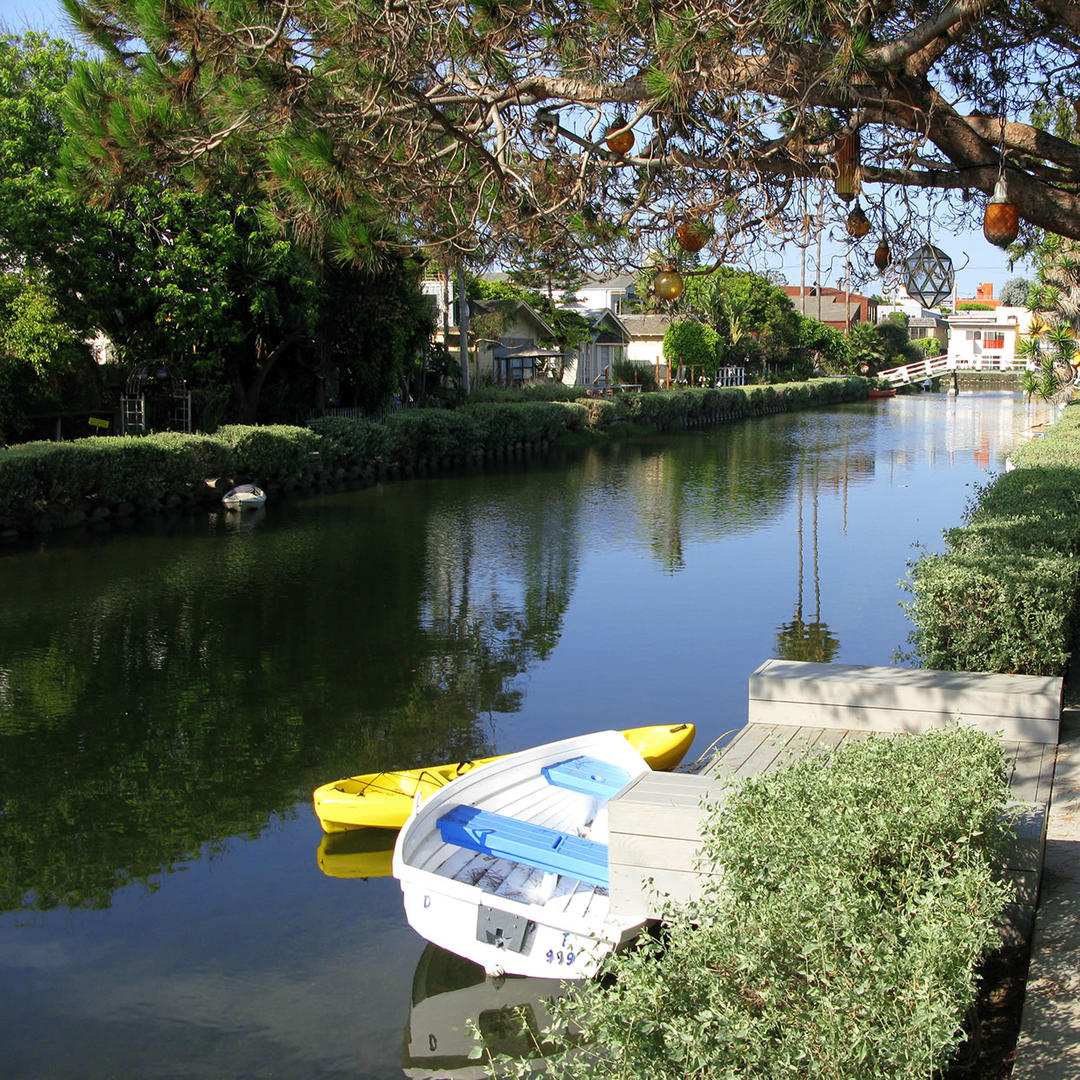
(693, 234)
(668, 284)
(1001, 220)
(619, 138)
(857, 224)
(929, 276)
(883, 256)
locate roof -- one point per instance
(598, 316)
(833, 309)
(510, 307)
(646, 326)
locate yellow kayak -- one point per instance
(383, 800)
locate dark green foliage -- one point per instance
(273, 455)
(636, 375)
(852, 899)
(114, 470)
(1002, 597)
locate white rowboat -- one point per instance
(244, 497)
(507, 865)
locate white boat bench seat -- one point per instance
(522, 842)
(588, 776)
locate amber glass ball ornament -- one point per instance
(619, 138)
(668, 284)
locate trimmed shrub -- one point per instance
(275, 455)
(1003, 595)
(839, 937)
(345, 442)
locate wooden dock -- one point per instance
(800, 708)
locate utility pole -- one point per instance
(463, 327)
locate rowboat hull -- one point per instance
(523, 913)
(383, 800)
(244, 497)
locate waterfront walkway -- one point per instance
(1049, 1044)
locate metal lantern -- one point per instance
(883, 256)
(1001, 220)
(619, 138)
(857, 224)
(848, 149)
(668, 284)
(929, 276)
(692, 234)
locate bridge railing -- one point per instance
(918, 370)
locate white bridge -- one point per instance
(933, 366)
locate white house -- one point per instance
(596, 294)
(986, 340)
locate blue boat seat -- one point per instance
(522, 842)
(587, 775)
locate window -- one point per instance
(973, 335)
(994, 341)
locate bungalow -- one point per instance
(593, 362)
(505, 334)
(646, 348)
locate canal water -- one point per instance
(170, 696)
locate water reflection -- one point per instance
(358, 853)
(458, 1014)
(801, 638)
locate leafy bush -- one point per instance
(1002, 597)
(346, 442)
(642, 375)
(853, 899)
(541, 390)
(271, 455)
(995, 611)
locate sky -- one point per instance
(975, 261)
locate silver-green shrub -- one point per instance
(838, 938)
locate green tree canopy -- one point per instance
(477, 125)
(754, 318)
(205, 280)
(690, 343)
(1014, 293)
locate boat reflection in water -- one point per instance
(452, 997)
(359, 853)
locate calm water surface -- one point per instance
(170, 697)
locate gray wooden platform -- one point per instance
(654, 822)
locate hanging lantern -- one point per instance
(1001, 221)
(619, 138)
(692, 234)
(929, 276)
(848, 148)
(882, 256)
(668, 284)
(857, 224)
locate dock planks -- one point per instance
(654, 823)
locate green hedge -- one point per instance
(839, 938)
(38, 478)
(1003, 595)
